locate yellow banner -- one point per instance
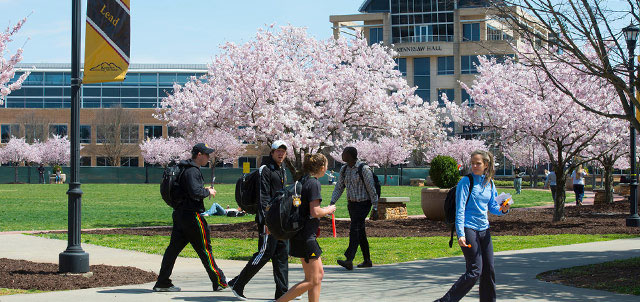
(107, 41)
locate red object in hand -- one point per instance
(333, 224)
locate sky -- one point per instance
(168, 31)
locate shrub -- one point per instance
(444, 172)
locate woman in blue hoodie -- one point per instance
(472, 227)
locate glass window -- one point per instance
(250, 160)
(34, 78)
(53, 78)
(129, 92)
(101, 134)
(90, 103)
(102, 161)
(85, 135)
(183, 78)
(130, 103)
(148, 92)
(110, 102)
(469, 64)
(129, 134)
(19, 92)
(110, 92)
(53, 91)
(148, 79)
(445, 65)
(164, 91)
(66, 91)
(166, 78)
(86, 91)
(15, 102)
(128, 161)
(450, 93)
(421, 78)
(7, 131)
(33, 91)
(131, 79)
(172, 132)
(53, 103)
(85, 161)
(375, 35)
(467, 98)
(60, 130)
(34, 132)
(149, 103)
(37, 103)
(152, 131)
(471, 32)
(402, 65)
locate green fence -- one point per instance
(132, 175)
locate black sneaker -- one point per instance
(171, 288)
(365, 264)
(346, 264)
(238, 294)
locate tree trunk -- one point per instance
(558, 207)
(295, 168)
(608, 182)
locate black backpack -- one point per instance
(450, 207)
(283, 217)
(248, 191)
(170, 187)
(376, 181)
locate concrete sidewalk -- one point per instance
(414, 281)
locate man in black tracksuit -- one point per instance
(272, 180)
(188, 225)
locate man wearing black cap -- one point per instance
(188, 225)
(272, 180)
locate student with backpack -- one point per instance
(304, 244)
(188, 224)
(272, 179)
(472, 227)
(362, 195)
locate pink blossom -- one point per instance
(7, 67)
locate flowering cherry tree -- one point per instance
(458, 148)
(313, 94)
(226, 147)
(7, 66)
(54, 151)
(17, 152)
(518, 101)
(526, 153)
(163, 151)
(384, 152)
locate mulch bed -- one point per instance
(589, 219)
(21, 274)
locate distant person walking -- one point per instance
(517, 180)
(551, 184)
(472, 227)
(304, 244)
(578, 184)
(188, 224)
(41, 174)
(361, 197)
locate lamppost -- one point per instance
(631, 36)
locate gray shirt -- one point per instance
(356, 189)
(551, 179)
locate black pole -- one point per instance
(74, 259)
(633, 220)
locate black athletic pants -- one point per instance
(190, 227)
(479, 258)
(358, 211)
(269, 248)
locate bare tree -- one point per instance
(589, 31)
(35, 127)
(117, 134)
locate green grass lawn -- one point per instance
(618, 276)
(384, 250)
(44, 207)
(10, 291)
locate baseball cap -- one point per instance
(279, 144)
(202, 148)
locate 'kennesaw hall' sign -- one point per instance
(106, 54)
(421, 49)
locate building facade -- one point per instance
(437, 41)
(41, 109)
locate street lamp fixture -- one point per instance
(631, 36)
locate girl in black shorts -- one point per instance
(304, 245)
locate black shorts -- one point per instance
(307, 249)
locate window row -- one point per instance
(151, 92)
(410, 6)
(105, 134)
(132, 78)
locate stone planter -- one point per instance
(622, 189)
(599, 197)
(432, 201)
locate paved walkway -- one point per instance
(414, 281)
